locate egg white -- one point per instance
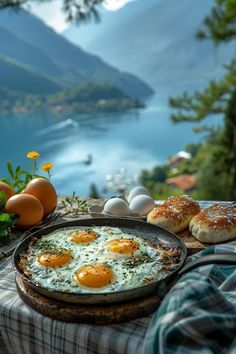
(130, 271)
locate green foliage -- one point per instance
(75, 10)
(3, 199)
(220, 25)
(6, 220)
(74, 204)
(214, 182)
(157, 174)
(89, 97)
(154, 181)
(217, 170)
(186, 166)
(18, 179)
(88, 92)
(208, 162)
(93, 193)
(192, 148)
(218, 164)
(85, 10)
(212, 101)
(162, 190)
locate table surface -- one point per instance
(24, 331)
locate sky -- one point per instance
(51, 13)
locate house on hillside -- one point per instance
(185, 182)
(174, 162)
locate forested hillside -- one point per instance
(28, 41)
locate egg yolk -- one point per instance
(83, 236)
(94, 275)
(123, 246)
(54, 258)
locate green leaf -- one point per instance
(39, 176)
(3, 199)
(4, 232)
(10, 170)
(63, 203)
(28, 178)
(18, 169)
(8, 220)
(17, 173)
(21, 174)
(14, 218)
(5, 218)
(19, 186)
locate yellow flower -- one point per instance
(33, 155)
(47, 166)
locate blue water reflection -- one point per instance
(132, 140)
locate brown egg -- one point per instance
(28, 207)
(7, 189)
(42, 189)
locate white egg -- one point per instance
(137, 191)
(116, 207)
(142, 204)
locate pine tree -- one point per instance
(219, 97)
(75, 10)
(93, 193)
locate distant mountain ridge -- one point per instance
(156, 39)
(85, 98)
(18, 49)
(44, 53)
(18, 77)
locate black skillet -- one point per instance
(153, 234)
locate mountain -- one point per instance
(88, 97)
(18, 49)
(17, 77)
(86, 33)
(156, 40)
(28, 41)
(187, 62)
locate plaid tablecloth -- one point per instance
(24, 331)
(198, 315)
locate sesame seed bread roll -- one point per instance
(215, 224)
(175, 213)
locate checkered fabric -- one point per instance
(24, 331)
(199, 313)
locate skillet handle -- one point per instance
(224, 259)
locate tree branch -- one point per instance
(75, 10)
(221, 24)
(213, 100)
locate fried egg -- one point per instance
(94, 275)
(54, 258)
(82, 236)
(92, 260)
(123, 246)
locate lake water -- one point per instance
(120, 144)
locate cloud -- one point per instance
(51, 13)
(114, 5)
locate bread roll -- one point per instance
(215, 224)
(175, 213)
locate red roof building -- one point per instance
(185, 182)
